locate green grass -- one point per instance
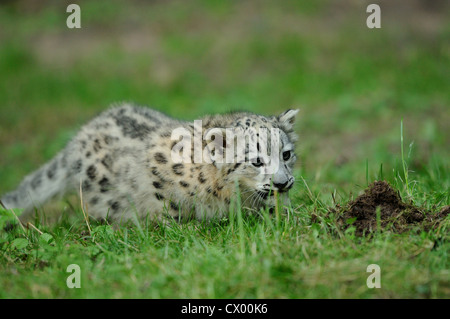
(353, 86)
(246, 256)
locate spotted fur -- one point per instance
(121, 161)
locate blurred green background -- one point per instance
(187, 58)
(353, 85)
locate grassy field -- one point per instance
(354, 87)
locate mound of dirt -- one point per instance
(394, 213)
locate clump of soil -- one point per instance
(394, 213)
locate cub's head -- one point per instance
(258, 152)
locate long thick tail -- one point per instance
(43, 184)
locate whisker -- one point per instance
(249, 198)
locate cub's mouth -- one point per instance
(270, 193)
(266, 194)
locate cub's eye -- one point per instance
(258, 163)
(286, 155)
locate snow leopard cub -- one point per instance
(122, 162)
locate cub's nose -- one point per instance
(281, 187)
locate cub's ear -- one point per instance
(287, 118)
